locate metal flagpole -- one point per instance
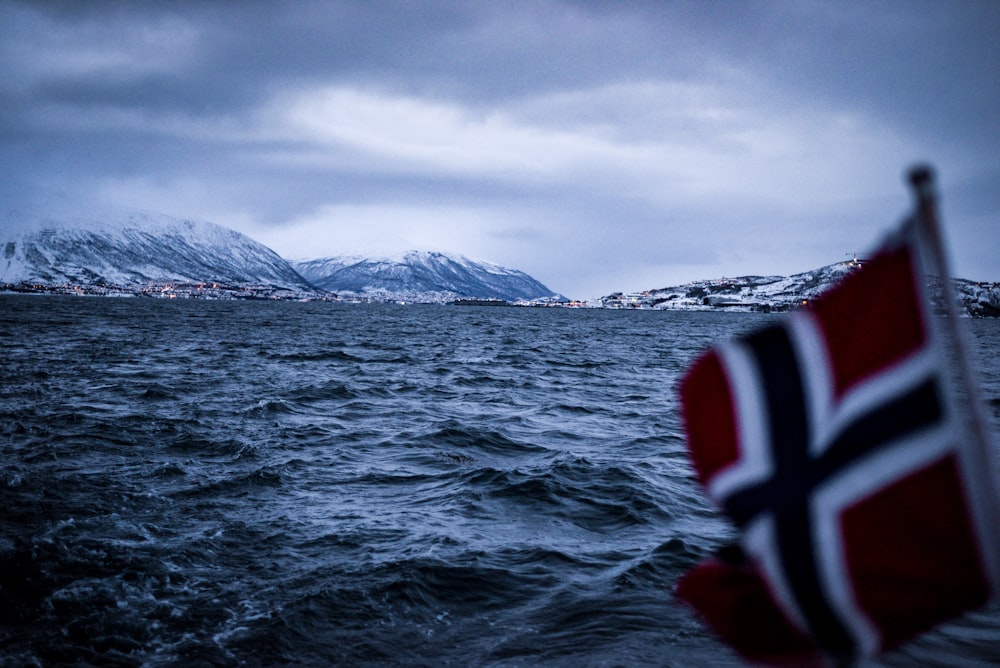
(921, 178)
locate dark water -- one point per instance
(213, 483)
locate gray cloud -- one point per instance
(597, 146)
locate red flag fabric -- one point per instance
(836, 443)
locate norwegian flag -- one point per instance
(860, 482)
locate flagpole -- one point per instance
(921, 178)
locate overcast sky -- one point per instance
(598, 146)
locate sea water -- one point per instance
(262, 483)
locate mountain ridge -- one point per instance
(134, 249)
(424, 275)
(784, 293)
(157, 254)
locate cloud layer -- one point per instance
(598, 147)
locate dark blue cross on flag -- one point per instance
(841, 445)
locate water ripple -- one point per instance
(217, 483)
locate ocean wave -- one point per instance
(358, 486)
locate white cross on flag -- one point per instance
(841, 446)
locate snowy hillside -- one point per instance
(135, 249)
(423, 276)
(979, 299)
(783, 293)
(754, 292)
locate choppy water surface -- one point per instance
(212, 483)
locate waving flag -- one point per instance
(843, 444)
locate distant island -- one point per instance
(769, 294)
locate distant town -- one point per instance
(746, 294)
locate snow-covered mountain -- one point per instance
(423, 276)
(763, 292)
(783, 293)
(979, 298)
(135, 249)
